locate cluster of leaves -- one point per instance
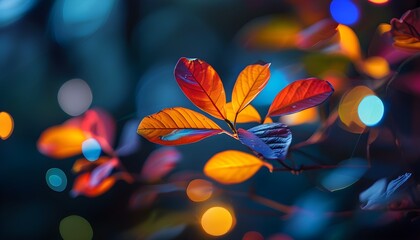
(203, 87)
(96, 176)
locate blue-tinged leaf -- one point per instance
(381, 193)
(277, 136)
(348, 172)
(374, 195)
(255, 143)
(396, 183)
(129, 141)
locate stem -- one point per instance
(232, 127)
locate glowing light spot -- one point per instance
(379, 1)
(344, 11)
(91, 149)
(309, 115)
(6, 125)
(253, 235)
(79, 18)
(371, 110)
(349, 43)
(376, 67)
(75, 228)
(56, 179)
(347, 109)
(277, 82)
(217, 221)
(74, 97)
(11, 11)
(199, 190)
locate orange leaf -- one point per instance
(248, 114)
(251, 81)
(300, 95)
(202, 85)
(61, 141)
(82, 186)
(175, 126)
(229, 167)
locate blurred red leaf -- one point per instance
(159, 163)
(300, 95)
(82, 186)
(101, 126)
(317, 34)
(202, 85)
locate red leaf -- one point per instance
(159, 163)
(316, 34)
(101, 126)
(202, 85)
(300, 95)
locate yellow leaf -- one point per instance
(268, 120)
(175, 126)
(61, 141)
(249, 114)
(231, 166)
(251, 81)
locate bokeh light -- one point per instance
(379, 1)
(56, 179)
(217, 221)
(199, 190)
(278, 81)
(74, 97)
(376, 67)
(309, 115)
(349, 43)
(348, 108)
(344, 11)
(252, 235)
(75, 228)
(13, 10)
(91, 149)
(371, 110)
(79, 18)
(6, 125)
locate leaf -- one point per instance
(159, 163)
(380, 193)
(406, 30)
(300, 95)
(175, 126)
(317, 34)
(251, 81)
(346, 174)
(101, 126)
(61, 141)
(202, 86)
(82, 186)
(231, 166)
(83, 164)
(129, 140)
(271, 140)
(102, 171)
(248, 114)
